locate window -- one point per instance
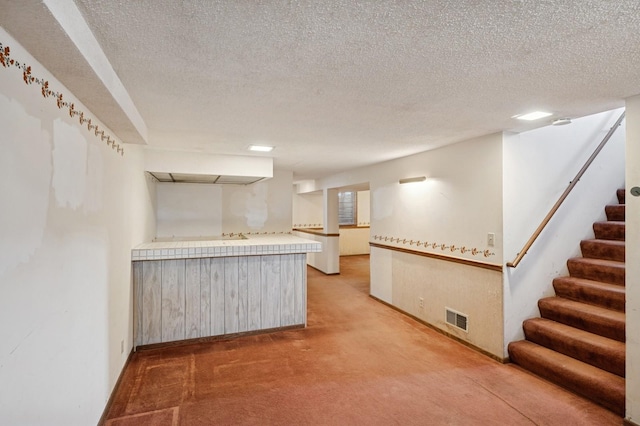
(347, 208)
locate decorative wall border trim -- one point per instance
(469, 262)
(315, 232)
(442, 246)
(8, 62)
(240, 234)
(308, 225)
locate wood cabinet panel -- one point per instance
(270, 300)
(191, 298)
(205, 297)
(173, 300)
(243, 294)
(300, 289)
(231, 303)
(217, 296)
(254, 292)
(151, 302)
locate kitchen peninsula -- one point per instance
(215, 287)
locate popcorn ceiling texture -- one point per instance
(340, 83)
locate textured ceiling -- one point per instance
(338, 84)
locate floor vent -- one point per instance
(457, 319)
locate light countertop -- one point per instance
(250, 246)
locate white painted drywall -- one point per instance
(71, 211)
(364, 208)
(459, 203)
(538, 167)
(632, 263)
(307, 210)
(201, 210)
(261, 207)
(188, 210)
(175, 161)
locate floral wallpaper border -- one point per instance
(452, 248)
(8, 62)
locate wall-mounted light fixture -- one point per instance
(413, 179)
(561, 121)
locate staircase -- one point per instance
(579, 341)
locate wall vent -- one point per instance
(457, 319)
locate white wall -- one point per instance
(175, 161)
(307, 210)
(199, 210)
(364, 208)
(71, 211)
(538, 167)
(262, 207)
(457, 206)
(188, 210)
(632, 256)
(355, 240)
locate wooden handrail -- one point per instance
(564, 195)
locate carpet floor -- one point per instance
(358, 362)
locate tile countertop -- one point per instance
(251, 246)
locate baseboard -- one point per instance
(445, 333)
(113, 391)
(220, 337)
(628, 422)
(320, 270)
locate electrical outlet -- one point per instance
(491, 239)
(421, 302)
(121, 346)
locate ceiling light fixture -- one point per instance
(261, 148)
(413, 179)
(561, 121)
(535, 115)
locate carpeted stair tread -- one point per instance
(603, 249)
(615, 212)
(608, 271)
(620, 193)
(595, 319)
(600, 386)
(609, 230)
(611, 296)
(590, 348)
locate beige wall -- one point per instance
(354, 241)
(469, 290)
(632, 257)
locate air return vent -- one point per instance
(457, 319)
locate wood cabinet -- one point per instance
(177, 299)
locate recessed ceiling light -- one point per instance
(261, 148)
(536, 115)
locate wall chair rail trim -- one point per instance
(468, 262)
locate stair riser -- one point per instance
(596, 325)
(615, 213)
(595, 249)
(605, 358)
(613, 398)
(609, 230)
(603, 273)
(620, 193)
(594, 296)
